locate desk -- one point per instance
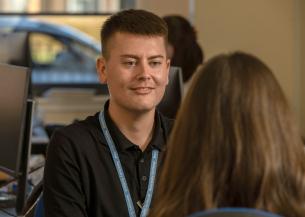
(9, 210)
(7, 203)
(39, 141)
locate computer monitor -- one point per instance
(14, 86)
(22, 179)
(172, 98)
(14, 48)
(15, 126)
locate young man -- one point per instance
(105, 166)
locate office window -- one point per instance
(93, 6)
(58, 60)
(62, 6)
(45, 49)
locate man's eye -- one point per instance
(130, 63)
(155, 63)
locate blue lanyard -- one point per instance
(118, 165)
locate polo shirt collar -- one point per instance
(122, 143)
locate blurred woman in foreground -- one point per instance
(234, 144)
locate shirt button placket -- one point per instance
(144, 178)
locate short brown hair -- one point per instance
(139, 22)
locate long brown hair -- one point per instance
(234, 144)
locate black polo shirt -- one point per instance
(80, 176)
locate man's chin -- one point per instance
(140, 106)
(144, 107)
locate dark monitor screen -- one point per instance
(14, 84)
(172, 98)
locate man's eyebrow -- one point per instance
(156, 56)
(136, 57)
(129, 56)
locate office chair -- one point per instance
(39, 210)
(233, 212)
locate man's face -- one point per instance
(136, 71)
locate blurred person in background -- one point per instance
(183, 48)
(234, 144)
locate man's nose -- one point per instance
(144, 71)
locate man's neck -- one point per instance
(136, 127)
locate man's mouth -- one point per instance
(142, 90)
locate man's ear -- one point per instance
(168, 64)
(101, 69)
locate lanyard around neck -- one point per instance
(119, 168)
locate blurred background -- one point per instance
(59, 41)
(274, 30)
